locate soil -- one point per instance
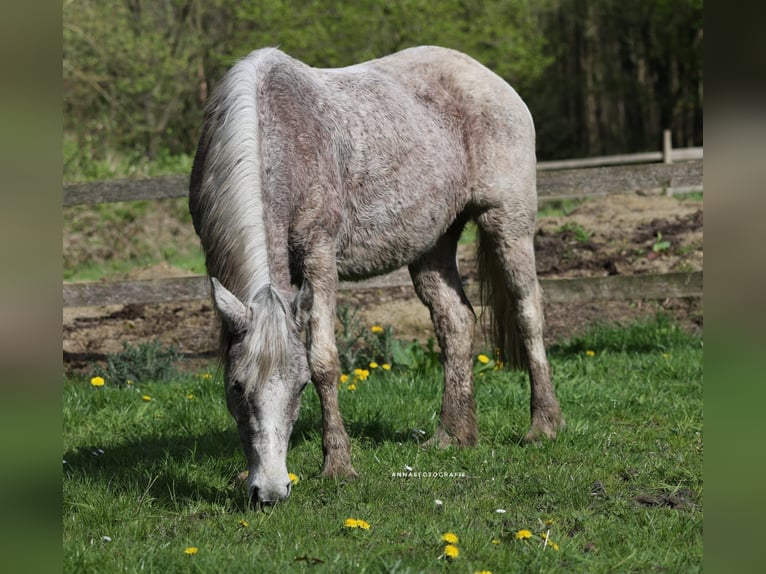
(613, 235)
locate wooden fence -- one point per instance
(556, 180)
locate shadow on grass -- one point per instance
(373, 430)
(163, 467)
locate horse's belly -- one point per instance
(371, 252)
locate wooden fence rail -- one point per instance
(554, 184)
(556, 180)
(576, 290)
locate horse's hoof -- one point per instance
(339, 471)
(545, 430)
(442, 439)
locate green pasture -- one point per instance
(148, 472)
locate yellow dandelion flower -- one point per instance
(450, 538)
(483, 572)
(376, 329)
(97, 381)
(293, 478)
(356, 523)
(190, 396)
(451, 551)
(146, 398)
(590, 353)
(385, 367)
(483, 359)
(244, 523)
(373, 365)
(128, 382)
(351, 387)
(207, 376)
(495, 541)
(191, 550)
(361, 374)
(523, 534)
(344, 379)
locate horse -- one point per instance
(306, 176)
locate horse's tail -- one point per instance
(499, 304)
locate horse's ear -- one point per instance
(302, 304)
(233, 311)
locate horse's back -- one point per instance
(387, 154)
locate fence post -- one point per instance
(667, 147)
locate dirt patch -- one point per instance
(619, 234)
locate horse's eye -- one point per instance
(237, 387)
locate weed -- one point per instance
(559, 207)
(577, 231)
(359, 344)
(659, 244)
(145, 362)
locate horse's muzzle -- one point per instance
(268, 497)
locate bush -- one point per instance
(139, 364)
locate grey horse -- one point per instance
(305, 176)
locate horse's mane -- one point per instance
(225, 196)
(226, 203)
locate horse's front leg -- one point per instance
(324, 363)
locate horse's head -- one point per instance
(266, 370)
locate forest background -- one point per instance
(600, 76)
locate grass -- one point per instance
(622, 485)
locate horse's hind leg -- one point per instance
(512, 259)
(437, 283)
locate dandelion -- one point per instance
(344, 379)
(451, 551)
(146, 398)
(97, 381)
(495, 541)
(190, 396)
(385, 367)
(376, 329)
(373, 365)
(523, 534)
(207, 376)
(356, 523)
(293, 478)
(244, 523)
(590, 353)
(484, 359)
(450, 538)
(351, 387)
(361, 374)
(191, 550)
(129, 382)
(482, 572)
